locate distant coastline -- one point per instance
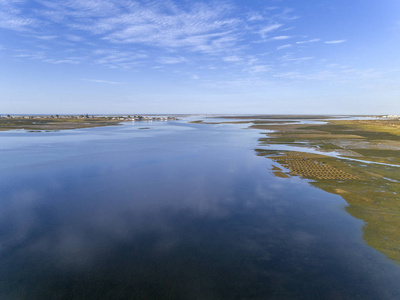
(56, 122)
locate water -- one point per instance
(179, 211)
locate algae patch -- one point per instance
(313, 167)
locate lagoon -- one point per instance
(178, 211)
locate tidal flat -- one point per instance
(193, 211)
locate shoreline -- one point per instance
(56, 123)
(365, 175)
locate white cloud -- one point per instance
(335, 42)
(11, 16)
(284, 46)
(280, 37)
(126, 34)
(288, 28)
(46, 37)
(263, 32)
(61, 61)
(15, 23)
(30, 55)
(289, 58)
(255, 16)
(308, 41)
(199, 27)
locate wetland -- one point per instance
(241, 208)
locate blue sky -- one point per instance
(125, 56)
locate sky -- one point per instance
(208, 57)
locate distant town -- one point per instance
(389, 117)
(87, 116)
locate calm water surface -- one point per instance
(177, 211)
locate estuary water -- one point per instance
(174, 211)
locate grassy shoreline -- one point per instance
(55, 124)
(375, 196)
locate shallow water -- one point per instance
(179, 211)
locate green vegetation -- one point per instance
(356, 130)
(54, 123)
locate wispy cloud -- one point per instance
(12, 17)
(265, 30)
(102, 81)
(258, 69)
(129, 34)
(284, 46)
(46, 37)
(308, 41)
(280, 37)
(200, 27)
(289, 58)
(335, 42)
(254, 16)
(61, 61)
(31, 55)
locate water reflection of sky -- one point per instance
(179, 211)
